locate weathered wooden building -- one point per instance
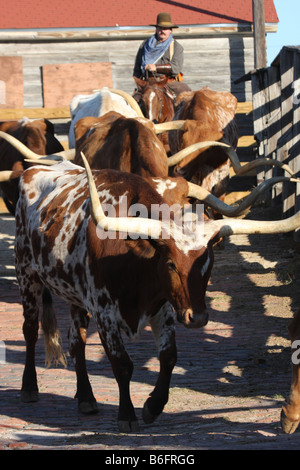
(49, 52)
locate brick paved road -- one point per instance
(227, 388)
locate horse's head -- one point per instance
(156, 100)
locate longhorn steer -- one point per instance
(208, 116)
(214, 111)
(125, 144)
(37, 135)
(123, 283)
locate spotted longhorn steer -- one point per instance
(139, 276)
(37, 135)
(123, 283)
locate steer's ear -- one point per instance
(142, 248)
(49, 126)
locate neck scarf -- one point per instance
(154, 50)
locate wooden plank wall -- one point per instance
(214, 61)
(61, 82)
(276, 123)
(11, 82)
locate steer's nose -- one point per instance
(191, 319)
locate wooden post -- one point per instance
(260, 46)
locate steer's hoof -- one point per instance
(289, 427)
(128, 426)
(29, 396)
(87, 407)
(148, 417)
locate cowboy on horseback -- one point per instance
(161, 56)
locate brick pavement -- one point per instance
(227, 388)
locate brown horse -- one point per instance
(156, 99)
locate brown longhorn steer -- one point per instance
(120, 143)
(125, 271)
(209, 116)
(37, 135)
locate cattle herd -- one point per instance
(112, 225)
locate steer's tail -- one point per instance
(54, 351)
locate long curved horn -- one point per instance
(130, 100)
(242, 170)
(49, 160)
(202, 194)
(262, 162)
(67, 154)
(168, 126)
(5, 175)
(44, 161)
(179, 156)
(247, 227)
(131, 225)
(232, 155)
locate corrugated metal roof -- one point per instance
(30, 14)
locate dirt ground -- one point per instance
(227, 388)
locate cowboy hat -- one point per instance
(163, 20)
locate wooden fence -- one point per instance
(276, 123)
